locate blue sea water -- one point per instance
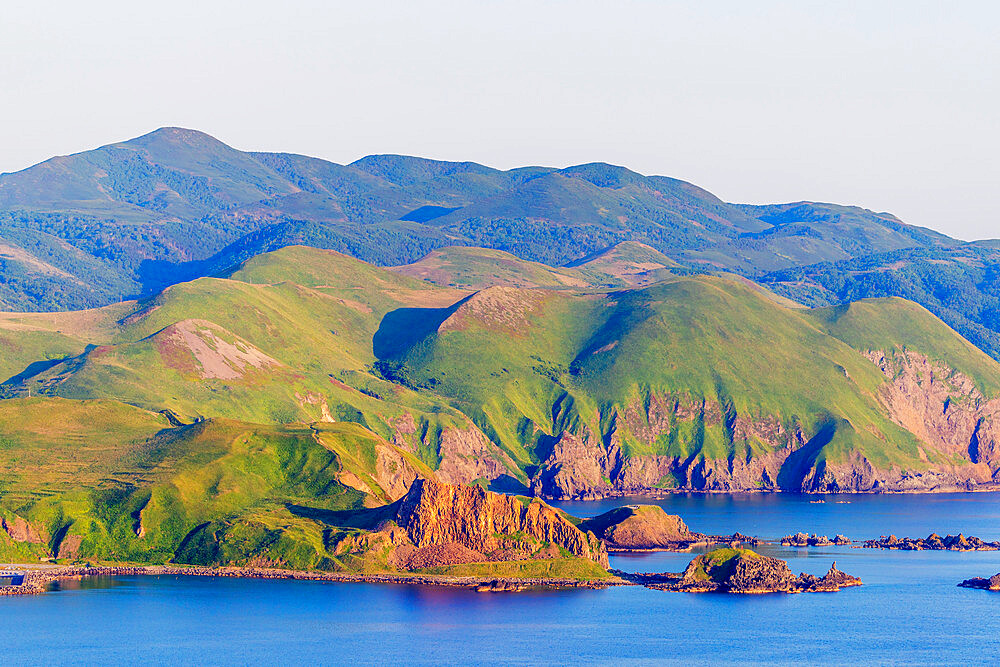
(909, 611)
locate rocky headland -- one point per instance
(437, 524)
(648, 528)
(933, 542)
(741, 571)
(991, 584)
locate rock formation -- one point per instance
(991, 584)
(20, 530)
(932, 542)
(805, 540)
(641, 527)
(649, 528)
(742, 571)
(433, 513)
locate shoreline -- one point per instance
(38, 579)
(659, 494)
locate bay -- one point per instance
(909, 611)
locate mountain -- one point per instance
(130, 218)
(961, 285)
(694, 381)
(263, 415)
(626, 263)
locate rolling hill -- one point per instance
(231, 418)
(130, 218)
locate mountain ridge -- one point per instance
(129, 218)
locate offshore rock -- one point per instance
(991, 584)
(805, 540)
(641, 527)
(933, 542)
(742, 571)
(649, 528)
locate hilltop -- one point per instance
(624, 264)
(131, 217)
(690, 382)
(241, 409)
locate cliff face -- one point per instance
(20, 530)
(466, 454)
(639, 527)
(958, 427)
(942, 407)
(433, 513)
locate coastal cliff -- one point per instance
(956, 431)
(433, 513)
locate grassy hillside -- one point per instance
(893, 323)
(958, 284)
(529, 365)
(218, 420)
(127, 219)
(110, 482)
(477, 268)
(266, 353)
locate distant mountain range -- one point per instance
(128, 219)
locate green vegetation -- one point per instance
(717, 565)
(130, 218)
(960, 284)
(235, 419)
(527, 368)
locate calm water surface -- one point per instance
(908, 611)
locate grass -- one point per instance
(718, 564)
(897, 324)
(396, 361)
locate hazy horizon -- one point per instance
(884, 105)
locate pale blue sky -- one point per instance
(890, 105)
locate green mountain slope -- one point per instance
(692, 381)
(132, 217)
(958, 284)
(224, 419)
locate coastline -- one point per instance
(660, 494)
(38, 579)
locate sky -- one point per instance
(889, 105)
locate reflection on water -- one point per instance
(909, 610)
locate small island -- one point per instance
(741, 571)
(991, 584)
(932, 542)
(638, 528)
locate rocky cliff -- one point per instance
(434, 513)
(957, 426)
(640, 527)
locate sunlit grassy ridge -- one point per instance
(582, 358)
(302, 381)
(897, 324)
(477, 268)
